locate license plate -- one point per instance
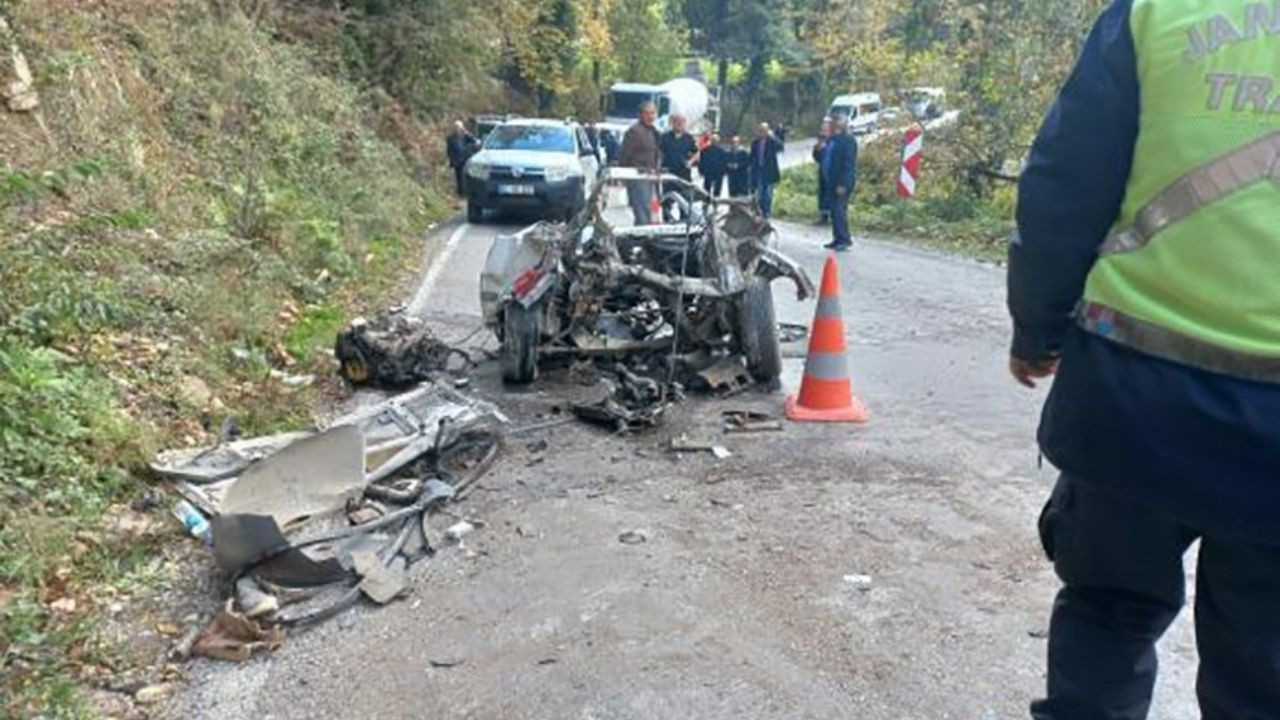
(515, 189)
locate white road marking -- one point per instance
(419, 302)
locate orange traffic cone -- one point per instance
(655, 209)
(826, 393)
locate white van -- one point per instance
(862, 110)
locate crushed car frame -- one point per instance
(699, 287)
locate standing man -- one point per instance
(609, 142)
(819, 159)
(738, 168)
(840, 166)
(679, 155)
(640, 151)
(1144, 275)
(714, 163)
(459, 146)
(765, 172)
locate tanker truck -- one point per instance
(682, 96)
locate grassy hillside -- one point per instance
(197, 201)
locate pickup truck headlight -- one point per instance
(561, 173)
(479, 171)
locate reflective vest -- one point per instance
(1191, 270)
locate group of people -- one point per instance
(750, 170)
(677, 152)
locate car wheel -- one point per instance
(475, 213)
(520, 337)
(758, 332)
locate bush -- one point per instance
(58, 424)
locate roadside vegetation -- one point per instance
(209, 189)
(194, 205)
(944, 215)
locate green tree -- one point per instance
(425, 53)
(748, 31)
(647, 46)
(541, 38)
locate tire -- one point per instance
(520, 336)
(758, 333)
(475, 213)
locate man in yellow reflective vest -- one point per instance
(1145, 275)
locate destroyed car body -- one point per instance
(587, 288)
(305, 524)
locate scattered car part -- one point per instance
(792, 333)
(380, 583)
(683, 445)
(748, 421)
(727, 375)
(313, 475)
(635, 402)
(219, 462)
(417, 450)
(394, 351)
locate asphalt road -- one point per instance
(879, 572)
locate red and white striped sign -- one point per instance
(913, 146)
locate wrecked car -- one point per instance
(592, 288)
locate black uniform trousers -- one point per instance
(1124, 583)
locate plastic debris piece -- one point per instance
(253, 602)
(457, 531)
(195, 523)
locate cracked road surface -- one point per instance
(880, 572)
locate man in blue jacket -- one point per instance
(840, 173)
(765, 171)
(1145, 274)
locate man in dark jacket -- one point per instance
(840, 171)
(459, 146)
(765, 171)
(1143, 275)
(714, 165)
(679, 154)
(609, 142)
(738, 168)
(819, 157)
(640, 151)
